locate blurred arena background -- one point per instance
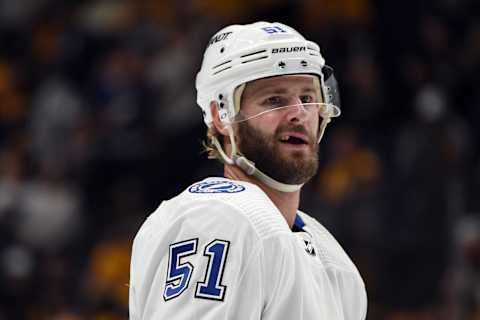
(98, 124)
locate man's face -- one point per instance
(283, 141)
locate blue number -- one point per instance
(211, 287)
(178, 275)
(274, 29)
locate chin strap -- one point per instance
(249, 167)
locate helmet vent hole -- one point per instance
(221, 64)
(254, 56)
(303, 63)
(218, 71)
(252, 53)
(282, 64)
(255, 59)
(222, 49)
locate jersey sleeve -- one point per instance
(196, 262)
(354, 298)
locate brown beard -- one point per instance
(296, 167)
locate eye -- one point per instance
(307, 99)
(275, 102)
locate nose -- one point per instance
(297, 112)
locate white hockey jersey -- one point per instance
(222, 250)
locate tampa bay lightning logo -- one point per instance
(220, 186)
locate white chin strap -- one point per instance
(249, 166)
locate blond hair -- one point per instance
(208, 145)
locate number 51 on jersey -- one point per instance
(179, 273)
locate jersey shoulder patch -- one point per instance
(216, 186)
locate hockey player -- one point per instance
(237, 247)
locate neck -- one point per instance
(286, 202)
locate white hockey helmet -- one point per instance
(238, 54)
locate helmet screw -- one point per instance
(282, 64)
(304, 63)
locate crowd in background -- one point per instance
(98, 125)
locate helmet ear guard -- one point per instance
(227, 107)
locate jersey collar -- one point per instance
(298, 224)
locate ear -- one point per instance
(217, 123)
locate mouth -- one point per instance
(294, 139)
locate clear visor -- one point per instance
(324, 110)
(319, 98)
